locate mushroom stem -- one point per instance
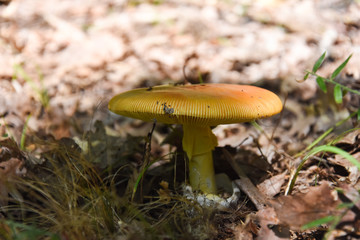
(201, 173)
(198, 143)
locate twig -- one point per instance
(188, 58)
(146, 162)
(245, 184)
(147, 147)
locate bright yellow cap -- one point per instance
(200, 104)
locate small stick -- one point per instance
(146, 163)
(245, 184)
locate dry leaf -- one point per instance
(351, 144)
(269, 225)
(300, 209)
(243, 231)
(164, 192)
(8, 170)
(270, 187)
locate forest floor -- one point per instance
(70, 169)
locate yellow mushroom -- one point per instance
(197, 108)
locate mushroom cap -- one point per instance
(200, 104)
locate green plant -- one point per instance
(311, 150)
(339, 89)
(19, 231)
(338, 94)
(23, 133)
(40, 90)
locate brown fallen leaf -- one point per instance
(244, 231)
(9, 149)
(290, 213)
(270, 228)
(351, 144)
(350, 140)
(350, 221)
(272, 186)
(8, 171)
(299, 209)
(11, 166)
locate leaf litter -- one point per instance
(75, 152)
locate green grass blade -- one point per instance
(323, 148)
(318, 222)
(23, 134)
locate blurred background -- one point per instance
(61, 61)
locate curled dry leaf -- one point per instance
(300, 209)
(351, 144)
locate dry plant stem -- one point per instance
(245, 184)
(198, 143)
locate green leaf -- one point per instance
(21, 231)
(318, 222)
(340, 68)
(345, 205)
(358, 114)
(306, 76)
(320, 81)
(318, 62)
(338, 94)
